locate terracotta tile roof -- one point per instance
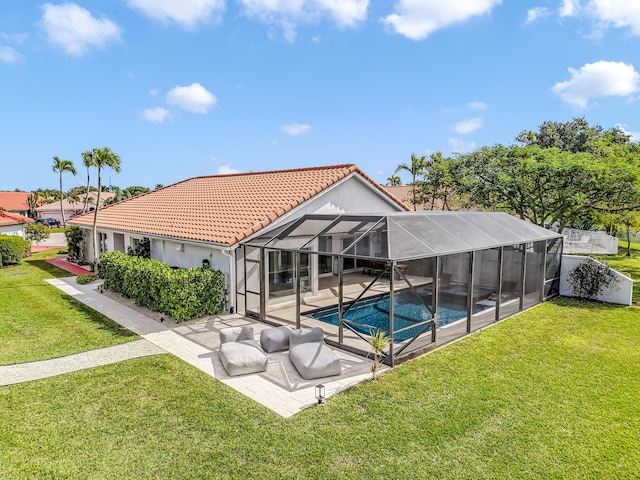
(68, 204)
(14, 201)
(7, 218)
(223, 209)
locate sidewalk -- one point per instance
(26, 372)
(280, 388)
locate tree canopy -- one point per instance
(564, 174)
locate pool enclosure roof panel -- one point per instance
(400, 236)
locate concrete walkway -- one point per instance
(26, 372)
(280, 388)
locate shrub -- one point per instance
(141, 249)
(75, 243)
(87, 278)
(183, 294)
(13, 249)
(36, 232)
(589, 279)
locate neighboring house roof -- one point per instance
(7, 218)
(405, 194)
(223, 209)
(14, 201)
(68, 204)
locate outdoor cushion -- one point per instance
(235, 334)
(309, 354)
(275, 339)
(240, 353)
(314, 360)
(305, 335)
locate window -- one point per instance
(102, 242)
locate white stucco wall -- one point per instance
(620, 292)
(13, 230)
(351, 195)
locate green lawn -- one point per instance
(630, 266)
(38, 321)
(551, 393)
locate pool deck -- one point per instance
(280, 388)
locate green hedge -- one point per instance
(183, 294)
(13, 249)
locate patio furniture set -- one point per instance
(241, 354)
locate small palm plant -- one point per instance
(378, 341)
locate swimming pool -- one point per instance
(375, 312)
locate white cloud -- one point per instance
(416, 19)
(153, 92)
(285, 15)
(186, 13)
(227, 170)
(599, 79)
(155, 115)
(459, 145)
(605, 13)
(635, 136)
(194, 98)
(467, 126)
(568, 8)
(617, 13)
(477, 105)
(75, 30)
(9, 55)
(535, 13)
(296, 129)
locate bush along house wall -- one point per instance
(13, 249)
(184, 294)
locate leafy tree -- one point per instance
(88, 161)
(36, 232)
(438, 182)
(62, 166)
(416, 168)
(103, 158)
(545, 185)
(158, 186)
(47, 195)
(574, 136)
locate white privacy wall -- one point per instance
(620, 292)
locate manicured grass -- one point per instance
(38, 321)
(551, 393)
(630, 266)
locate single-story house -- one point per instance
(71, 207)
(13, 224)
(15, 202)
(328, 246)
(202, 220)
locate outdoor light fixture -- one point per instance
(180, 248)
(320, 394)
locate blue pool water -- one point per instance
(408, 310)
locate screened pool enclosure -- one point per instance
(423, 278)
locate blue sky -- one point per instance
(182, 88)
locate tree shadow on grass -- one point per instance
(103, 322)
(48, 268)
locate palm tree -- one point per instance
(394, 180)
(87, 160)
(62, 166)
(416, 168)
(102, 158)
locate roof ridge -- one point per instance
(284, 170)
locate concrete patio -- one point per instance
(280, 388)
